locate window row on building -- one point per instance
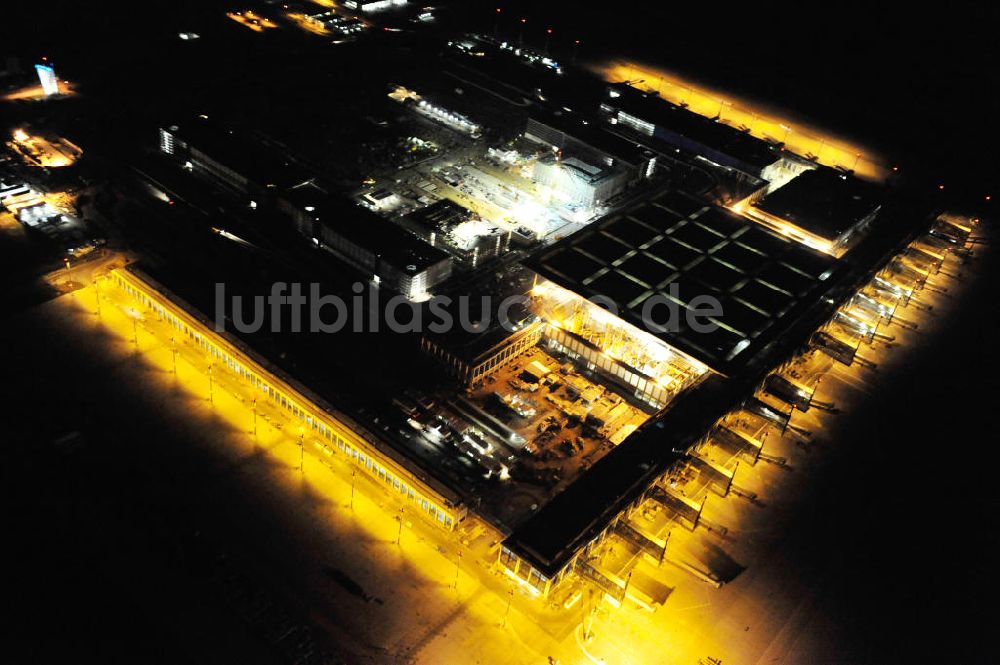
(322, 424)
(643, 387)
(474, 372)
(526, 572)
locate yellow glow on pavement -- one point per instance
(252, 20)
(424, 558)
(478, 619)
(36, 92)
(763, 123)
(308, 24)
(40, 151)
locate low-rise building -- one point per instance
(824, 208)
(386, 253)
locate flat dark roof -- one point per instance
(394, 244)
(676, 241)
(472, 346)
(443, 214)
(262, 165)
(296, 359)
(725, 138)
(823, 201)
(551, 537)
(592, 135)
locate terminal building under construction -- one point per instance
(602, 362)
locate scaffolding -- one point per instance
(600, 340)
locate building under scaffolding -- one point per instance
(470, 239)
(579, 180)
(800, 295)
(630, 358)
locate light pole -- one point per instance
(97, 295)
(173, 354)
(211, 385)
(784, 139)
(510, 597)
(588, 626)
(135, 333)
(399, 534)
(253, 409)
(496, 24)
(458, 567)
(302, 451)
(520, 33)
(548, 37)
(354, 474)
(576, 47)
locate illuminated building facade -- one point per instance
(573, 179)
(385, 252)
(369, 6)
(564, 537)
(483, 354)
(47, 77)
(777, 297)
(466, 236)
(634, 360)
(648, 115)
(329, 429)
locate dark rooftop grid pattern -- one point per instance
(681, 203)
(646, 269)
(737, 256)
(697, 237)
(673, 253)
(657, 218)
(630, 232)
(757, 276)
